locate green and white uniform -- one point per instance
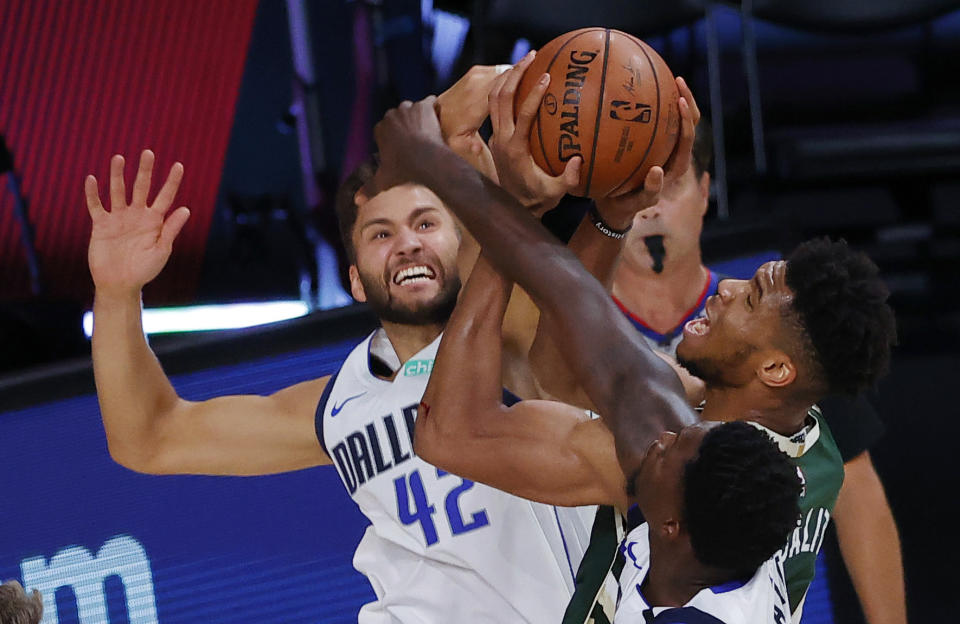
(818, 460)
(598, 577)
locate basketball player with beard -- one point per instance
(768, 349)
(439, 547)
(659, 281)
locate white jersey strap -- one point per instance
(800, 442)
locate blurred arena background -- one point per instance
(838, 118)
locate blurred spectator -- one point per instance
(16, 607)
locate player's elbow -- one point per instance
(438, 443)
(144, 449)
(427, 438)
(430, 446)
(135, 457)
(431, 453)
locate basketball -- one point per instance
(611, 100)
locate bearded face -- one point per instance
(741, 330)
(406, 257)
(716, 370)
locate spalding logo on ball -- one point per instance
(612, 101)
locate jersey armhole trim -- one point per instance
(321, 408)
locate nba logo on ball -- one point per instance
(617, 105)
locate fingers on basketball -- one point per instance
(611, 100)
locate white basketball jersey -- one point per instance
(761, 600)
(439, 548)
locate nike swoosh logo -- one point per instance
(336, 408)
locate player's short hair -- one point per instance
(841, 304)
(346, 206)
(702, 148)
(16, 607)
(741, 498)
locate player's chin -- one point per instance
(690, 347)
(431, 310)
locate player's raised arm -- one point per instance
(541, 450)
(597, 246)
(637, 392)
(597, 243)
(149, 427)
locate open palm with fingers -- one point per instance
(131, 243)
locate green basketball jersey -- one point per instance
(818, 458)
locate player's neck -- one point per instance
(676, 577)
(408, 340)
(661, 299)
(756, 404)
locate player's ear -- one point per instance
(776, 369)
(670, 529)
(703, 185)
(356, 286)
(361, 196)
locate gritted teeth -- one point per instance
(419, 272)
(699, 326)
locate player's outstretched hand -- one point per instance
(620, 209)
(401, 132)
(518, 173)
(130, 243)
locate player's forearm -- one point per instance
(870, 545)
(597, 251)
(555, 380)
(642, 411)
(878, 575)
(132, 388)
(598, 254)
(472, 342)
(465, 384)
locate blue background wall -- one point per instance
(221, 549)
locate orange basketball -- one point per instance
(611, 100)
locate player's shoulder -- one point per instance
(825, 432)
(821, 447)
(357, 369)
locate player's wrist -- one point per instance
(609, 223)
(114, 295)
